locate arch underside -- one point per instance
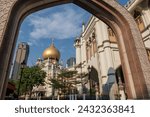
(136, 66)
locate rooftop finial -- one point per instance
(83, 26)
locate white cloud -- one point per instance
(29, 43)
(20, 31)
(59, 25)
(62, 49)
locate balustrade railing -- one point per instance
(129, 3)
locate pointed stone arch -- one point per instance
(136, 66)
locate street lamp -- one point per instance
(22, 67)
(82, 92)
(89, 78)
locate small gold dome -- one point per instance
(51, 52)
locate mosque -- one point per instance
(49, 64)
(97, 53)
(97, 59)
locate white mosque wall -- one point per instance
(106, 59)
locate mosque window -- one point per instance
(94, 46)
(90, 47)
(87, 54)
(93, 35)
(87, 51)
(139, 20)
(112, 36)
(110, 32)
(91, 52)
(148, 53)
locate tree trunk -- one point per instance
(30, 92)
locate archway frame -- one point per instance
(136, 66)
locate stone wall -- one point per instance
(5, 9)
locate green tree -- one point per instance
(67, 74)
(31, 76)
(62, 82)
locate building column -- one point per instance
(96, 93)
(108, 66)
(83, 52)
(122, 95)
(78, 51)
(111, 78)
(100, 55)
(146, 16)
(84, 97)
(70, 97)
(102, 59)
(75, 96)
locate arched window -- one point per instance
(94, 43)
(112, 36)
(139, 20)
(94, 46)
(89, 55)
(91, 49)
(148, 53)
(87, 51)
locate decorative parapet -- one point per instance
(129, 3)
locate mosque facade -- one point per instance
(49, 64)
(97, 49)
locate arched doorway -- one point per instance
(136, 66)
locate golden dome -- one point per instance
(51, 52)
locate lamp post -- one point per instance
(22, 67)
(81, 81)
(89, 78)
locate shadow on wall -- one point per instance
(121, 83)
(94, 80)
(110, 88)
(119, 73)
(94, 75)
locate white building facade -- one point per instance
(97, 48)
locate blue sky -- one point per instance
(63, 23)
